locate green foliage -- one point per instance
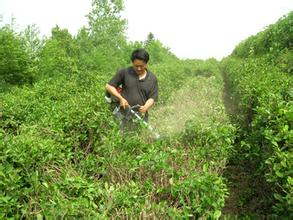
(271, 42)
(107, 34)
(261, 90)
(158, 52)
(59, 54)
(39, 145)
(14, 60)
(63, 157)
(285, 61)
(88, 58)
(166, 72)
(104, 21)
(197, 194)
(31, 41)
(61, 152)
(280, 173)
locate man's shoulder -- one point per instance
(152, 75)
(121, 70)
(125, 70)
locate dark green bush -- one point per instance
(14, 61)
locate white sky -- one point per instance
(190, 28)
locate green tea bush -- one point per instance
(64, 157)
(61, 150)
(262, 95)
(271, 42)
(53, 127)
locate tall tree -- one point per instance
(106, 25)
(14, 61)
(32, 42)
(149, 39)
(59, 54)
(107, 32)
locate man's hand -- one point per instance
(112, 90)
(123, 103)
(149, 103)
(143, 109)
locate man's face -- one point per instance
(139, 66)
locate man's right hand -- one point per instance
(112, 90)
(123, 103)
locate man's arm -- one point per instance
(152, 97)
(112, 90)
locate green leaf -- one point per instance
(279, 174)
(45, 184)
(275, 143)
(290, 180)
(205, 167)
(39, 216)
(217, 214)
(278, 197)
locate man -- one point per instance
(139, 85)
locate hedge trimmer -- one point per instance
(133, 112)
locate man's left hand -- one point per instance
(143, 109)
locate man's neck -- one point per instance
(143, 75)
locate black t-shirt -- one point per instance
(136, 91)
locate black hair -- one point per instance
(140, 54)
